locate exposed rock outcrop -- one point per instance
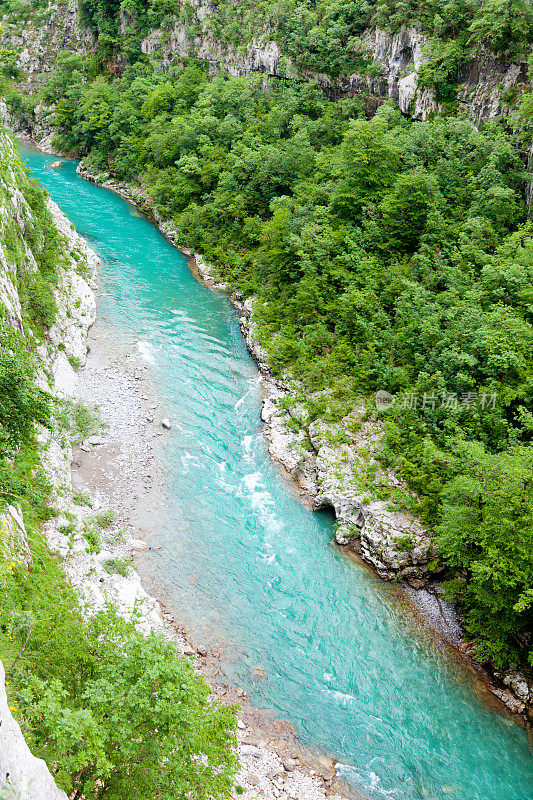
(39, 40)
(335, 465)
(487, 86)
(22, 775)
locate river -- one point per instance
(254, 572)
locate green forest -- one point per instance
(386, 254)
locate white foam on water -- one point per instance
(225, 485)
(343, 699)
(147, 351)
(241, 401)
(371, 782)
(247, 442)
(262, 502)
(188, 459)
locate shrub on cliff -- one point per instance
(113, 713)
(142, 726)
(485, 536)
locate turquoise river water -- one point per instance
(252, 569)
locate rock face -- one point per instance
(22, 776)
(13, 541)
(484, 81)
(42, 37)
(335, 464)
(261, 55)
(391, 540)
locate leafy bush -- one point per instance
(78, 420)
(104, 519)
(119, 565)
(81, 499)
(486, 529)
(111, 711)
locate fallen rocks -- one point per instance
(250, 750)
(289, 764)
(518, 685)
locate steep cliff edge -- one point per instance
(487, 86)
(484, 83)
(30, 295)
(22, 775)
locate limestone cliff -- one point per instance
(488, 87)
(23, 776)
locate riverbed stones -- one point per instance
(165, 423)
(250, 750)
(259, 672)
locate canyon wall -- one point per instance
(487, 86)
(22, 776)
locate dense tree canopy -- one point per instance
(390, 255)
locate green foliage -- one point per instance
(114, 713)
(105, 519)
(91, 534)
(404, 543)
(487, 529)
(119, 565)
(441, 70)
(322, 37)
(81, 499)
(144, 725)
(78, 420)
(22, 403)
(506, 25)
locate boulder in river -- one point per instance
(165, 423)
(56, 164)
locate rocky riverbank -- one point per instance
(120, 469)
(335, 465)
